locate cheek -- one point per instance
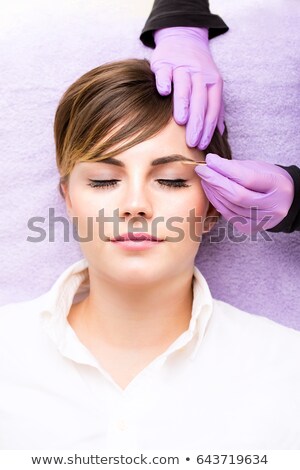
(191, 201)
(200, 201)
(190, 208)
(198, 207)
(86, 204)
(85, 210)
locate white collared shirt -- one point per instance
(232, 380)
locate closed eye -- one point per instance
(104, 184)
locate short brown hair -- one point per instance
(110, 109)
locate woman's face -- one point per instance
(140, 200)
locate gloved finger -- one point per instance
(221, 119)
(163, 78)
(240, 223)
(229, 189)
(242, 172)
(217, 203)
(214, 100)
(182, 92)
(198, 104)
(236, 209)
(254, 215)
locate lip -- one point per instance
(138, 237)
(126, 241)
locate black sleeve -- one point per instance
(168, 13)
(291, 222)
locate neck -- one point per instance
(135, 316)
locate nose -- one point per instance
(136, 203)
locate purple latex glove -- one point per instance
(233, 187)
(182, 54)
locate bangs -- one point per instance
(109, 110)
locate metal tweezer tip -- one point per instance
(194, 163)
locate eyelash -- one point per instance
(105, 184)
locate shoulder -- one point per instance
(23, 341)
(20, 319)
(233, 315)
(18, 309)
(257, 333)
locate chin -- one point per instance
(139, 275)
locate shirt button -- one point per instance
(122, 425)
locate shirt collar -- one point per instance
(70, 286)
(201, 310)
(73, 285)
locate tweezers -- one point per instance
(194, 163)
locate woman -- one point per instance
(128, 349)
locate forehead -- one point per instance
(163, 149)
(169, 140)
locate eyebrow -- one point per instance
(156, 162)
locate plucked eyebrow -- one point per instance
(156, 162)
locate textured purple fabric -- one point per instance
(46, 45)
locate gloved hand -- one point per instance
(182, 54)
(233, 187)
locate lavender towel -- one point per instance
(46, 45)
